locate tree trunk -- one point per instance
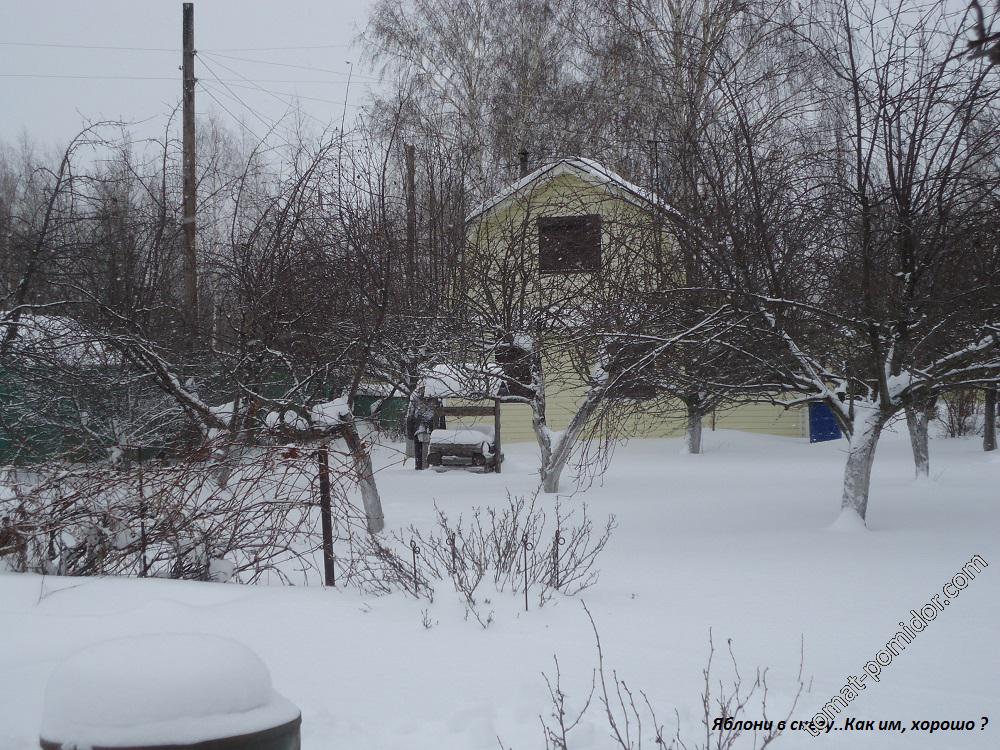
(990, 422)
(538, 420)
(694, 422)
(563, 446)
(916, 423)
(860, 457)
(552, 468)
(365, 475)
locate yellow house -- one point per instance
(569, 235)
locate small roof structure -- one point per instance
(468, 381)
(587, 169)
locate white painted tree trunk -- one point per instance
(916, 423)
(552, 472)
(538, 420)
(556, 448)
(544, 437)
(694, 423)
(564, 445)
(365, 475)
(868, 424)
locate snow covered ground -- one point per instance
(737, 540)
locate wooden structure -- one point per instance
(478, 411)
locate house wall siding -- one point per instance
(503, 243)
(562, 403)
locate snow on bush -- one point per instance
(168, 519)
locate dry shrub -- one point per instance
(497, 551)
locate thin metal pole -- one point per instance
(557, 542)
(326, 516)
(416, 551)
(527, 546)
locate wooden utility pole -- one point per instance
(411, 220)
(190, 184)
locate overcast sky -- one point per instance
(49, 91)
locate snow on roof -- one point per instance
(169, 689)
(589, 169)
(523, 341)
(330, 413)
(463, 381)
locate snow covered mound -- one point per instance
(849, 521)
(161, 690)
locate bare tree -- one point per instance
(984, 41)
(866, 288)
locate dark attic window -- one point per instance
(569, 244)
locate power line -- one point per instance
(99, 77)
(89, 46)
(270, 126)
(255, 85)
(286, 65)
(276, 49)
(252, 86)
(205, 83)
(229, 111)
(92, 77)
(169, 49)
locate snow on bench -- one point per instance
(460, 437)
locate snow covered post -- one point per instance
(155, 691)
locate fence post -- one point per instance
(326, 517)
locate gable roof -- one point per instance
(587, 169)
